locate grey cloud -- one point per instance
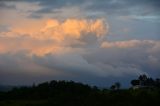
(4, 5)
(101, 8)
(94, 8)
(60, 3)
(69, 63)
(132, 58)
(98, 66)
(110, 6)
(122, 5)
(39, 13)
(12, 73)
(21, 69)
(4, 28)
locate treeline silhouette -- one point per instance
(69, 93)
(146, 82)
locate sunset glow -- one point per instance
(89, 41)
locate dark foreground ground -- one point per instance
(62, 93)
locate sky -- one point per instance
(97, 42)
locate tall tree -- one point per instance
(118, 85)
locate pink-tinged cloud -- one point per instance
(127, 44)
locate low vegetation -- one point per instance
(69, 93)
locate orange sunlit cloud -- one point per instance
(59, 33)
(74, 28)
(59, 30)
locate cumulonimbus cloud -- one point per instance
(52, 36)
(73, 28)
(59, 30)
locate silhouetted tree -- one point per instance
(149, 82)
(118, 85)
(157, 83)
(113, 87)
(135, 82)
(142, 79)
(69, 93)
